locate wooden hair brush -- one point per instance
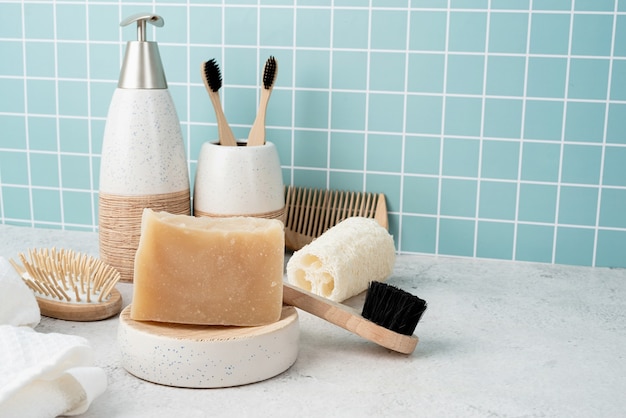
(310, 212)
(70, 285)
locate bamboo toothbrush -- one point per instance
(388, 319)
(212, 79)
(70, 285)
(257, 132)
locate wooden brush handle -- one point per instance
(256, 136)
(225, 134)
(347, 318)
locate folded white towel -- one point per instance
(19, 306)
(41, 375)
(46, 375)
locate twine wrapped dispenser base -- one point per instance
(120, 224)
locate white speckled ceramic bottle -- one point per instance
(143, 157)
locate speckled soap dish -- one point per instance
(195, 356)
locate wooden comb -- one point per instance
(310, 212)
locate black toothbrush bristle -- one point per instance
(213, 74)
(269, 73)
(393, 308)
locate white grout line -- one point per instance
(56, 110)
(604, 141)
(329, 137)
(403, 132)
(26, 117)
(92, 186)
(259, 64)
(562, 141)
(520, 158)
(443, 129)
(293, 98)
(482, 131)
(367, 93)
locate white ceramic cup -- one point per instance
(239, 181)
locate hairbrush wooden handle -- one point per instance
(348, 319)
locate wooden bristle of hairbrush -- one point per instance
(70, 285)
(309, 212)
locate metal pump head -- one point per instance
(142, 67)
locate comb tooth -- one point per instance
(299, 210)
(311, 212)
(332, 195)
(306, 206)
(374, 205)
(339, 207)
(321, 215)
(307, 211)
(363, 205)
(332, 209)
(306, 197)
(295, 208)
(327, 209)
(318, 214)
(289, 207)
(356, 209)
(350, 205)
(368, 206)
(345, 205)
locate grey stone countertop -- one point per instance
(499, 339)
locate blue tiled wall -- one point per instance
(496, 128)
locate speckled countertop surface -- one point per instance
(500, 339)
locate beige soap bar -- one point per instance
(208, 271)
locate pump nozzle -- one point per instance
(141, 19)
(142, 67)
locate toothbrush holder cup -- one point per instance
(239, 181)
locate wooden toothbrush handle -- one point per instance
(348, 319)
(224, 133)
(256, 136)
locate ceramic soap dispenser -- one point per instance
(143, 156)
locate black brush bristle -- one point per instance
(393, 308)
(213, 74)
(269, 73)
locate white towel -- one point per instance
(19, 306)
(41, 375)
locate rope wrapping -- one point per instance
(120, 224)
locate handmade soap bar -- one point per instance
(208, 271)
